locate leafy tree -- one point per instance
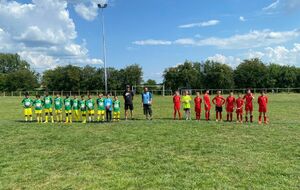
(218, 75)
(150, 82)
(251, 73)
(21, 80)
(12, 62)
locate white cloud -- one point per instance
(152, 42)
(88, 12)
(272, 6)
(229, 60)
(253, 39)
(200, 24)
(242, 19)
(185, 41)
(278, 54)
(42, 32)
(287, 6)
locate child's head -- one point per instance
(198, 94)
(177, 93)
(145, 89)
(75, 96)
(57, 95)
(108, 95)
(263, 92)
(46, 93)
(67, 96)
(100, 95)
(116, 97)
(219, 92)
(248, 91)
(240, 95)
(90, 96)
(82, 97)
(207, 91)
(38, 96)
(231, 93)
(185, 92)
(26, 95)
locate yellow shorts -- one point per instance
(27, 111)
(76, 112)
(68, 111)
(91, 112)
(58, 111)
(83, 112)
(38, 111)
(101, 112)
(117, 114)
(48, 110)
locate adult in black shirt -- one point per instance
(128, 98)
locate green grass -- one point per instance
(158, 154)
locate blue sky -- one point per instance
(153, 33)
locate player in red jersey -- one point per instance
(249, 105)
(219, 101)
(230, 101)
(239, 108)
(176, 102)
(207, 105)
(198, 101)
(262, 102)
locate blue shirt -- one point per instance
(146, 97)
(108, 103)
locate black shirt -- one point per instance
(128, 97)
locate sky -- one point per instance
(155, 34)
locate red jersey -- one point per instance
(198, 101)
(239, 105)
(219, 101)
(262, 101)
(206, 99)
(176, 100)
(249, 98)
(230, 100)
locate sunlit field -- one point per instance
(157, 154)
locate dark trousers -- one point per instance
(108, 115)
(147, 110)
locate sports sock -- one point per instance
(231, 116)
(31, 118)
(217, 116)
(46, 118)
(246, 118)
(259, 118)
(265, 119)
(227, 117)
(251, 118)
(52, 119)
(26, 119)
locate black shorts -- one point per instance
(128, 106)
(219, 109)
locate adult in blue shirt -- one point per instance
(108, 107)
(147, 103)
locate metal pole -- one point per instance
(104, 51)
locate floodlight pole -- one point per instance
(101, 7)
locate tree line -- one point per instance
(16, 74)
(251, 73)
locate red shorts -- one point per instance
(198, 110)
(262, 109)
(239, 111)
(249, 107)
(229, 109)
(177, 107)
(207, 108)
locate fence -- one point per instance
(244, 90)
(79, 93)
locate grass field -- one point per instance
(158, 154)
